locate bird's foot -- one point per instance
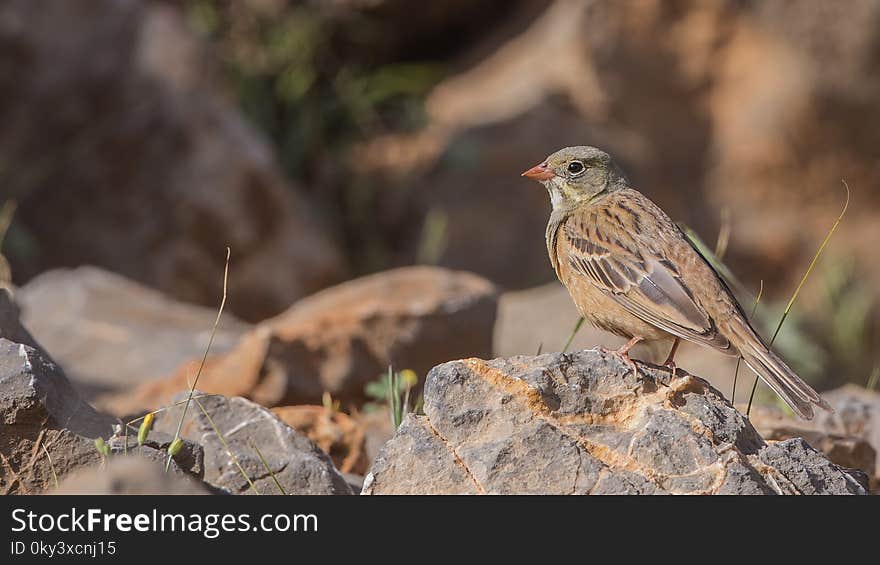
(623, 353)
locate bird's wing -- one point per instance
(638, 276)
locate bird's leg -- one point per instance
(670, 359)
(623, 353)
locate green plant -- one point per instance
(299, 76)
(393, 390)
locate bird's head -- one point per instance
(576, 175)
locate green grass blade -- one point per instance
(577, 328)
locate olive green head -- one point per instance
(576, 175)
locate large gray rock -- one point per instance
(42, 413)
(583, 423)
(111, 334)
(48, 431)
(297, 463)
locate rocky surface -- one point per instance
(586, 424)
(47, 429)
(250, 431)
(129, 156)
(111, 334)
(128, 475)
(344, 337)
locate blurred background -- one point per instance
(326, 140)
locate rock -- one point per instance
(128, 475)
(339, 435)
(10, 323)
(584, 423)
(130, 157)
(188, 461)
(342, 338)
(297, 463)
(111, 334)
(48, 430)
(845, 449)
(856, 413)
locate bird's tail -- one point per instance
(791, 388)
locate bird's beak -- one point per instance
(539, 172)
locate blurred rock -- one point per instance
(342, 338)
(377, 429)
(128, 475)
(42, 414)
(128, 156)
(845, 449)
(111, 334)
(339, 435)
(856, 413)
(10, 322)
(296, 463)
(585, 424)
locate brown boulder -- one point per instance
(342, 338)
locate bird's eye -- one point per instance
(576, 168)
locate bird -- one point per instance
(631, 271)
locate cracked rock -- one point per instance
(584, 423)
(296, 463)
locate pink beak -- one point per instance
(539, 172)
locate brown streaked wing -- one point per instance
(642, 280)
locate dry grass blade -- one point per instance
(800, 285)
(51, 465)
(268, 469)
(192, 387)
(723, 234)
